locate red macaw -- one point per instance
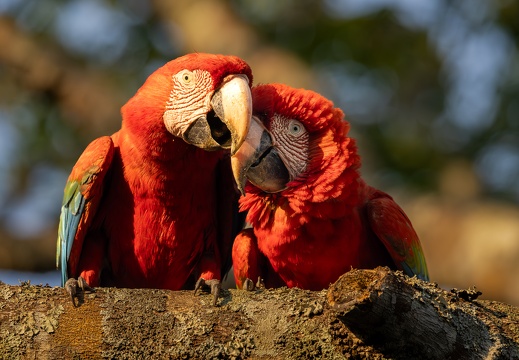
(313, 218)
(149, 207)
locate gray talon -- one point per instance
(248, 285)
(76, 289)
(214, 284)
(260, 284)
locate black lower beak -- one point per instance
(219, 131)
(200, 134)
(269, 173)
(259, 162)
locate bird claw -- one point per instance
(248, 285)
(76, 289)
(214, 284)
(260, 284)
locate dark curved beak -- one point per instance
(258, 161)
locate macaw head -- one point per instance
(203, 99)
(297, 142)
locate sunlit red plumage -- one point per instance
(143, 208)
(328, 220)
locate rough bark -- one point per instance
(373, 314)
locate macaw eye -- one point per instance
(186, 77)
(295, 128)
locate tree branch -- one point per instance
(400, 315)
(366, 314)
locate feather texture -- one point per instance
(328, 220)
(143, 208)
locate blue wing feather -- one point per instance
(82, 195)
(70, 216)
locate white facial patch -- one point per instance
(292, 140)
(189, 100)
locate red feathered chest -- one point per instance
(312, 247)
(159, 217)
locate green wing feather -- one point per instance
(392, 226)
(82, 195)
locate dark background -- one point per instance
(431, 89)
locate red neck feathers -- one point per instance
(328, 188)
(143, 125)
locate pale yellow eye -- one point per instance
(186, 77)
(295, 128)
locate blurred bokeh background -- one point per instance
(431, 89)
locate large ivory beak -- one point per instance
(248, 153)
(232, 103)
